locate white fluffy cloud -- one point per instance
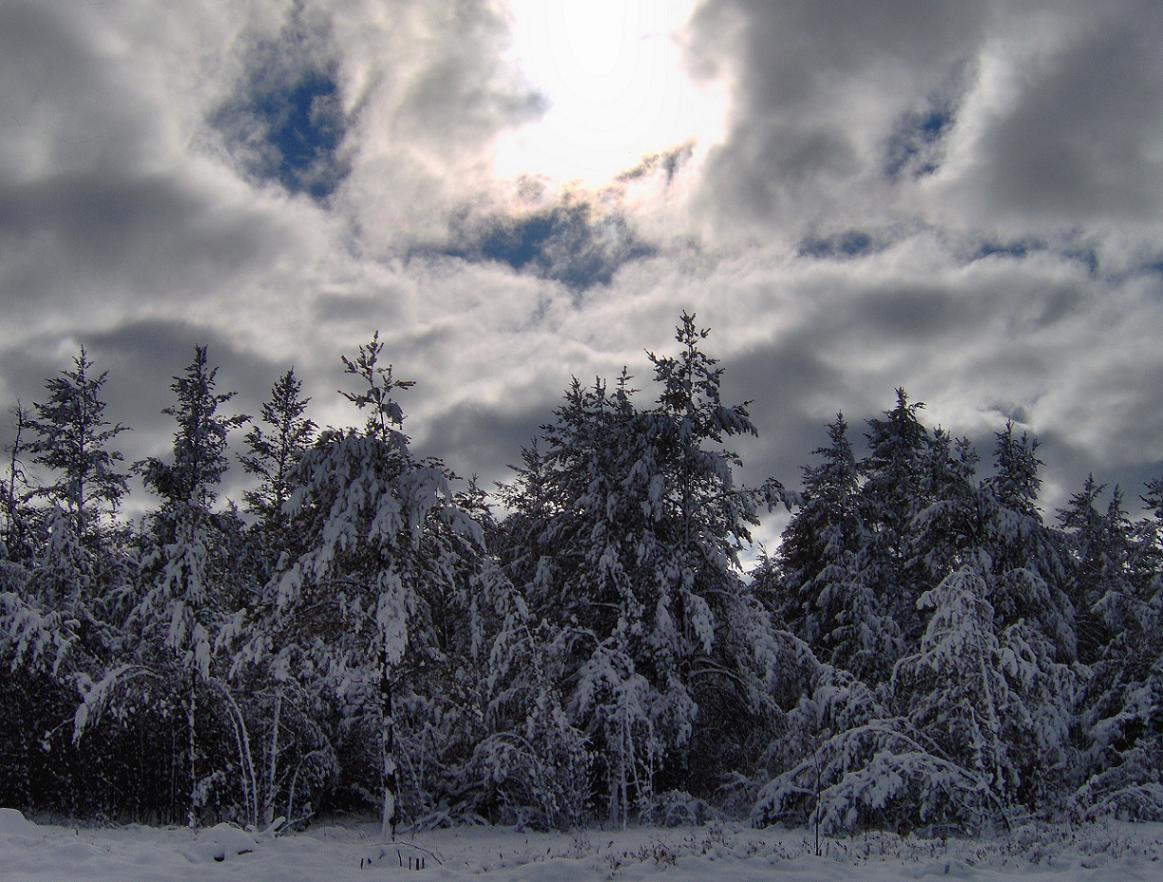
(963, 199)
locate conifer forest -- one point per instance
(924, 650)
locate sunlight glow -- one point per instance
(612, 73)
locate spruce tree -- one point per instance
(625, 536)
(1114, 571)
(891, 498)
(826, 595)
(385, 543)
(273, 453)
(72, 439)
(17, 542)
(187, 586)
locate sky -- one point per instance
(962, 199)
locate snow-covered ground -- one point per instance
(719, 852)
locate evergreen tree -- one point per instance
(721, 638)
(273, 454)
(624, 536)
(1027, 559)
(968, 538)
(578, 520)
(72, 440)
(892, 496)
(198, 460)
(186, 591)
(1098, 549)
(17, 544)
(826, 595)
(954, 688)
(384, 539)
(1114, 570)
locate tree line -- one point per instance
(922, 651)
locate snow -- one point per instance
(353, 850)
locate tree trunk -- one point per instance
(191, 715)
(391, 814)
(268, 804)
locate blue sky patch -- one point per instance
(916, 146)
(305, 126)
(1019, 249)
(286, 124)
(569, 242)
(841, 246)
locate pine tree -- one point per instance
(578, 544)
(199, 459)
(1027, 559)
(186, 588)
(72, 439)
(273, 454)
(1097, 549)
(954, 688)
(17, 544)
(723, 646)
(965, 524)
(891, 498)
(1114, 570)
(383, 539)
(1032, 615)
(826, 598)
(624, 537)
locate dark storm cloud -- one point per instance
(824, 90)
(48, 76)
(793, 392)
(496, 438)
(1081, 139)
(1067, 465)
(849, 244)
(141, 359)
(960, 198)
(358, 310)
(1038, 113)
(74, 235)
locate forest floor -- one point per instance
(353, 850)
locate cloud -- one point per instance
(826, 95)
(1066, 139)
(668, 162)
(962, 199)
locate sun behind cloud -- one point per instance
(615, 85)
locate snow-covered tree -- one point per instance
(273, 453)
(624, 537)
(383, 538)
(966, 535)
(1115, 571)
(825, 595)
(175, 622)
(1026, 556)
(848, 761)
(17, 539)
(955, 689)
(719, 635)
(891, 497)
(72, 440)
(577, 519)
